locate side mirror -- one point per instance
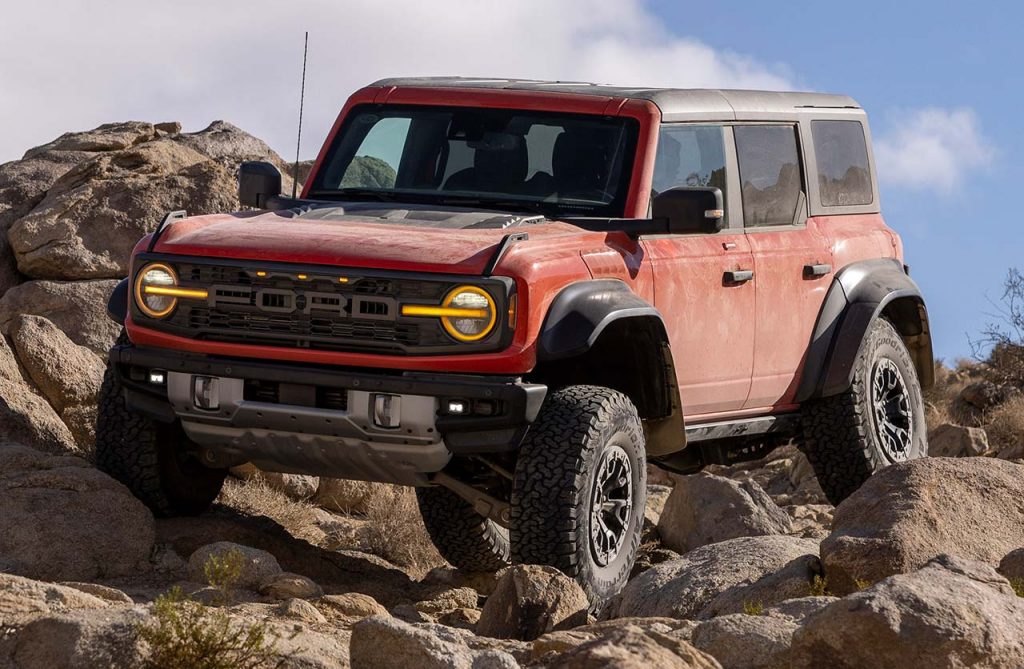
(257, 182)
(690, 209)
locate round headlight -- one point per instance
(148, 285)
(478, 317)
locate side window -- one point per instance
(770, 174)
(690, 155)
(842, 156)
(375, 164)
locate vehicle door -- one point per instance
(702, 287)
(792, 259)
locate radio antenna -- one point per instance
(302, 99)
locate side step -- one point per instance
(743, 427)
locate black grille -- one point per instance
(269, 392)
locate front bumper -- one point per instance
(294, 430)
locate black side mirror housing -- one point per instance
(258, 181)
(690, 209)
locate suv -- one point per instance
(514, 295)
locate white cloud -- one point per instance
(71, 65)
(933, 149)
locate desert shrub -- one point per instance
(396, 533)
(222, 572)
(819, 587)
(753, 608)
(184, 633)
(255, 498)
(1005, 426)
(1018, 586)
(1003, 338)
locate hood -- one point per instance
(426, 240)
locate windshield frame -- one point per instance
(632, 126)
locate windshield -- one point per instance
(554, 164)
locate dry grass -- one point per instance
(1005, 425)
(255, 498)
(396, 533)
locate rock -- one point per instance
(296, 486)
(448, 600)
(300, 609)
(482, 581)
(955, 441)
(951, 613)
(741, 641)
(93, 214)
(350, 606)
(911, 511)
(102, 591)
(78, 308)
(657, 496)
(81, 421)
(25, 415)
(684, 587)
(462, 618)
(255, 566)
(811, 521)
(1012, 565)
(705, 509)
(78, 640)
(20, 596)
(633, 648)
(290, 586)
(531, 600)
(68, 374)
(386, 643)
(346, 496)
(63, 520)
(791, 581)
(799, 608)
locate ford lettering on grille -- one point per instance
(288, 301)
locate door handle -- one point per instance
(820, 269)
(739, 275)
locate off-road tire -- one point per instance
(840, 436)
(151, 458)
(577, 429)
(464, 538)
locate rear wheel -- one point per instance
(580, 489)
(879, 420)
(464, 538)
(152, 459)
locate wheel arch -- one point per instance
(861, 293)
(599, 332)
(117, 303)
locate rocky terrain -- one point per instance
(743, 566)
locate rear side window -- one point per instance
(770, 174)
(844, 177)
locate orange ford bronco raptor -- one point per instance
(514, 295)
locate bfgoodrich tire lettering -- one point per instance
(845, 435)
(150, 458)
(462, 536)
(581, 432)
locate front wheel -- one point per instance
(879, 420)
(152, 459)
(580, 489)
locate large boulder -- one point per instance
(253, 567)
(531, 600)
(78, 308)
(25, 415)
(69, 375)
(740, 641)
(64, 520)
(21, 597)
(93, 214)
(685, 587)
(951, 613)
(910, 512)
(77, 640)
(382, 642)
(705, 509)
(634, 648)
(1012, 566)
(955, 441)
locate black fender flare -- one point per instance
(582, 311)
(860, 293)
(117, 303)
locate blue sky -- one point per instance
(942, 83)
